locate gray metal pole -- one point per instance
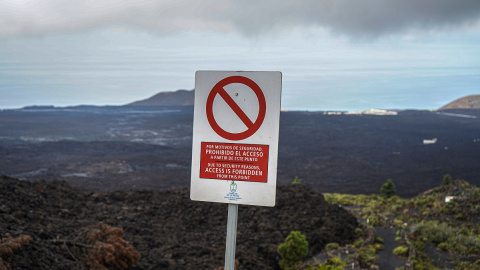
(231, 236)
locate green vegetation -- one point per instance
(424, 263)
(447, 238)
(401, 251)
(331, 246)
(296, 181)
(335, 263)
(358, 243)
(373, 220)
(388, 189)
(476, 195)
(293, 251)
(445, 218)
(359, 232)
(447, 180)
(367, 256)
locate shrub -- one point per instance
(293, 251)
(8, 246)
(461, 249)
(427, 201)
(476, 194)
(464, 230)
(419, 245)
(378, 246)
(423, 264)
(373, 220)
(447, 180)
(331, 246)
(401, 251)
(433, 232)
(366, 256)
(444, 247)
(359, 232)
(358, 243)
(110, 249)
(335, 263)
(398, 222)
(296, 181)
(474, 250)
(388, 189)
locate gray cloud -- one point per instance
(356, 18)
(33, 17)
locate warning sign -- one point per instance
(239, 162)
(235, 137)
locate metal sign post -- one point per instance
(235, 142)
(231, 236)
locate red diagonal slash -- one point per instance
(240, 113)
(252, 127)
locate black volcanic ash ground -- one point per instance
(168, 229)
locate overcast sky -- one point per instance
(334, 54)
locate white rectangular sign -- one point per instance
(235, 137)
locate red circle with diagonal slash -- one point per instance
(252, 127)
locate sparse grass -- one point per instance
(446, 238)
(296, 181)
(335, 263)
(401, 251)
(367, 256)
(331, 246)
(424, 263)
(427, 219)
(373, 220)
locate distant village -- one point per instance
(367, 112)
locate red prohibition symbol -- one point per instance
(252, 127)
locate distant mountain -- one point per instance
(176, 98)
(468, 102)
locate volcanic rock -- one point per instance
(168, 229)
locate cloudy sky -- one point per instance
(333, 54)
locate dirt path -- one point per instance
(386, 259)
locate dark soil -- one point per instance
(386, 258)
(127, 148)
(168, 229)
